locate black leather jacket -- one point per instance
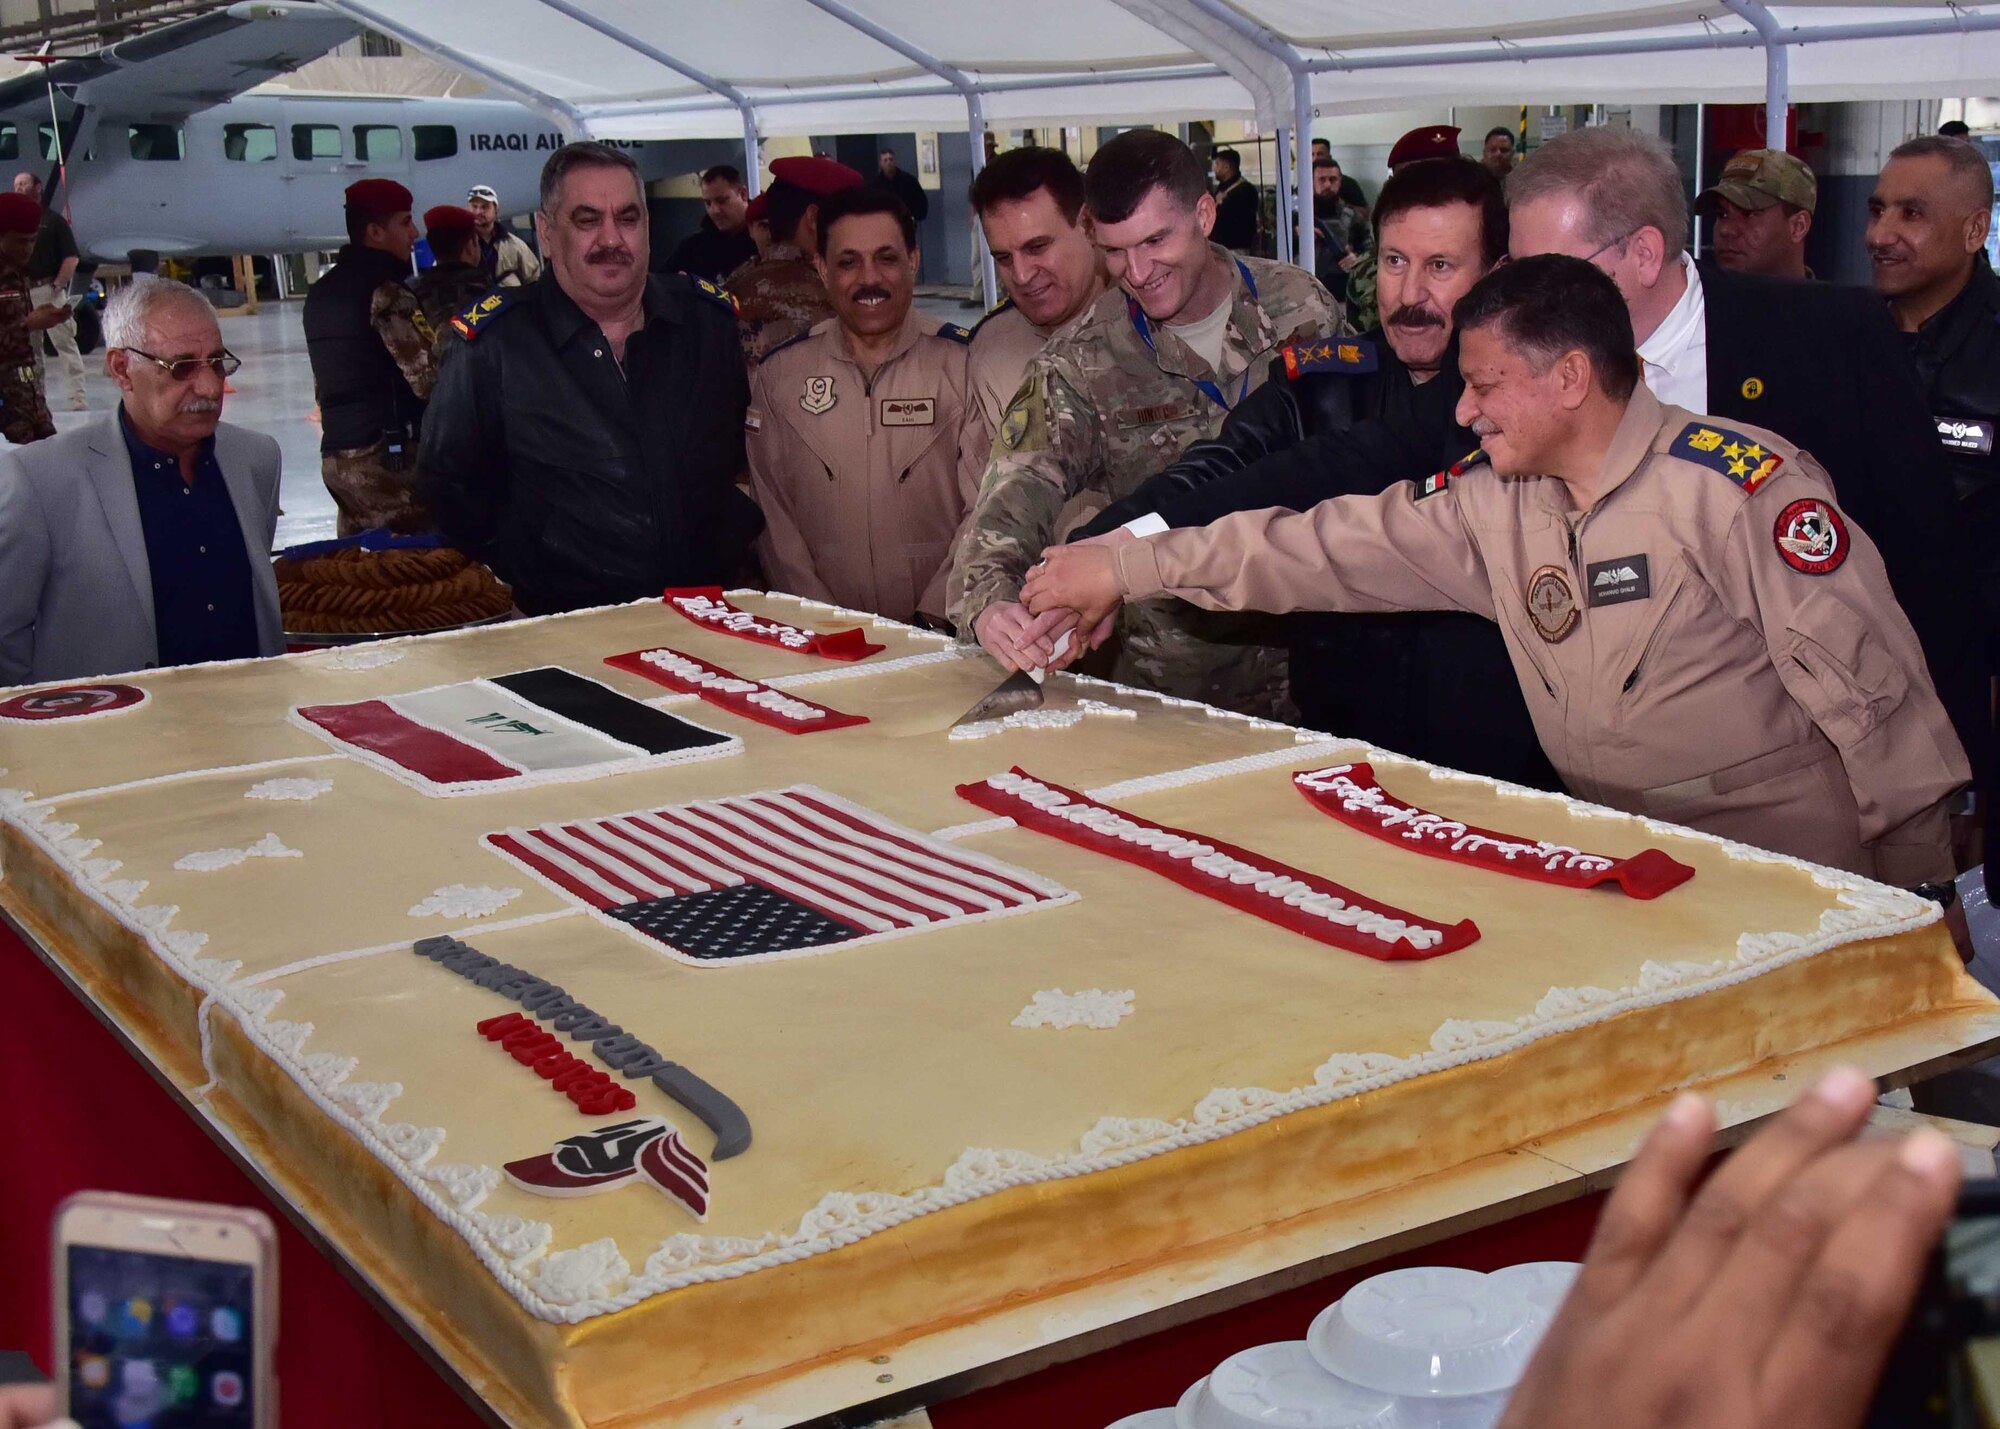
(1957, 357)
(579, 481)
(1434, 684)
(361, 390)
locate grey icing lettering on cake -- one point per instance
(609, 1043)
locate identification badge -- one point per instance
(1965, 434)
(1552, 604)
(818, 396)
(909, 411)
(1617, 581)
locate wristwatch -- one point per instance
(1945, 895)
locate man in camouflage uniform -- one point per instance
(455, 281)
(780, 296)
(374, 363)
(24, 413)
(1153, 365)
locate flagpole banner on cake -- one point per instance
(674, 1058)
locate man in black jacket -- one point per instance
(1819, 365)
(722, 244)
(1356, 416)
(587, 431)
(373, 364)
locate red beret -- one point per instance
(754, 213)
(379, 198)
(1433, 141)
(816, 175)
(19, 213)
(449, 218)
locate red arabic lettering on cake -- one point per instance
(753, 699)
(1289, 897)
(649, 1148)
(706, 606)
(71, 702)
(1352, 794)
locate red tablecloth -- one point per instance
(78, 1112)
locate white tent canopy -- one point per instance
(667, 69)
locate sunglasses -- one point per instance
(183, 369)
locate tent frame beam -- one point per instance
(565, 116)
(1777, 70)
(621, 36)
(1295, 206)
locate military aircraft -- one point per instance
(167, 152)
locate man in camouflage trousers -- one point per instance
(374, 363)
(24, 412)
(1154, 365)
(780, 296)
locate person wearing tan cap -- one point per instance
(1763, 209)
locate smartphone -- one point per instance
(165, 1314)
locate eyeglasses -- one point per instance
(183, 369)
(1619, 241)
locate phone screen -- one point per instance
(159, 1341)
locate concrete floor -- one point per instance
(274, 394)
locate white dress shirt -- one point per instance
(1675, 358)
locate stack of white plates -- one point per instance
(1425, 1348)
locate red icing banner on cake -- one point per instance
(704, 605)
(753, 699)
(1290, 897)
(1351, 794)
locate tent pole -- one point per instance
(1287, 203)
(1302, 126)
(753, 158)
(1700, 165)
(975, 118)
(1777, 68)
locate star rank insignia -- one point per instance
(1329, 355)
(1747, 463)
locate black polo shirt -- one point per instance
(203, 604)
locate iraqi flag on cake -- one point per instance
(543, 726)
(776, 874)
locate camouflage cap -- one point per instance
(1758, 178)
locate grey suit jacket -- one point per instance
(76, 591)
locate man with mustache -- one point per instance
(1701, 634)
(373, 362)
(1356, 417)
(1154, 364)
(143, 538)
(853, 428)
(587, 432)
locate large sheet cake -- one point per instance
(653, 1026)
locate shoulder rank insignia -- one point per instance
(952, 332)
(793, 341)
(1743, 461)
(719, 296)
(991, 313)
(1328, 355)
(469, 323)
(1439, 480)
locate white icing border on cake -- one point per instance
(508, 1244)
(1054, 894)
(725, 746)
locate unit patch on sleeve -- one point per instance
(1811, 537)
(1734, 455)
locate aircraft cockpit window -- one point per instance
(315, 141)
(252, 143)
(378, 143)
(434, 141)
(10, 142)
(156, 141)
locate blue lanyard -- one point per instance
(1207, 388)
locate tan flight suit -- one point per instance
(859, 477)
(1711, 644)
(1104, 406)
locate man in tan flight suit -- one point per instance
(1030, 204)
(1700, 634)
(853, 429)
(1153, 366)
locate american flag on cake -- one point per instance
(769, 874)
